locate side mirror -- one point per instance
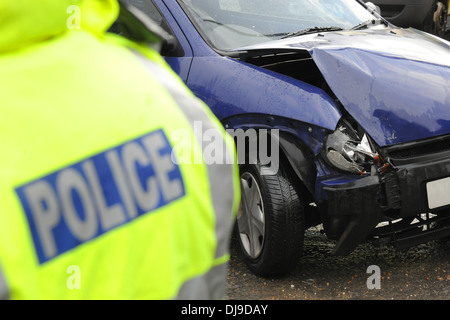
(137, 26)
(171, 48)
(373, 8)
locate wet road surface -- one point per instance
(418, 273)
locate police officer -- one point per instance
(92, 203)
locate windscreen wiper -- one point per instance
(366, 24)
(311, 30)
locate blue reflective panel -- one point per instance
(84, 200)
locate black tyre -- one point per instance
(270, 222)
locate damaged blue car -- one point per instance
(359, 108)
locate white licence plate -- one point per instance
(438, 192)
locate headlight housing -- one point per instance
(349, 150)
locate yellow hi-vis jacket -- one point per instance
(93, 201)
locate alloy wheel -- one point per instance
(250, 219)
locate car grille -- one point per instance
(420, 150)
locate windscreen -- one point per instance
(230, 24)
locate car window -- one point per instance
(229, 24)
(150, 9)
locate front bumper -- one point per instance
(400, 193)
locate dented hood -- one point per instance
(394, 82)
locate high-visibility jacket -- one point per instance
(94, 202)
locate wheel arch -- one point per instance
(299, 143)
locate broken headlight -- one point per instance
(349, 151)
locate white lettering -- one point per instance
(239, 309)
(74, 21)
(264, 151)
(68, 182)
(73, 281)
(252, 147)
(374, 281)
(133, 155)
(121, 182)
(45, 209)
(214, 151)
(245, 155)
(91, 197)
(171, 189)
(198, 310)
(198, 133)
(109, 216)
(181, 152)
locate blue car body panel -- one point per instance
(386, 80)
(395, 84)
(388, 83)
(233, 88)
(395, 96)
(181, 65)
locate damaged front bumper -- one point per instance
(355, 209)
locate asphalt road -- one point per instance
(419, 273)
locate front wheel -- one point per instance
(270, 222)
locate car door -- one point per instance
(180, 58)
